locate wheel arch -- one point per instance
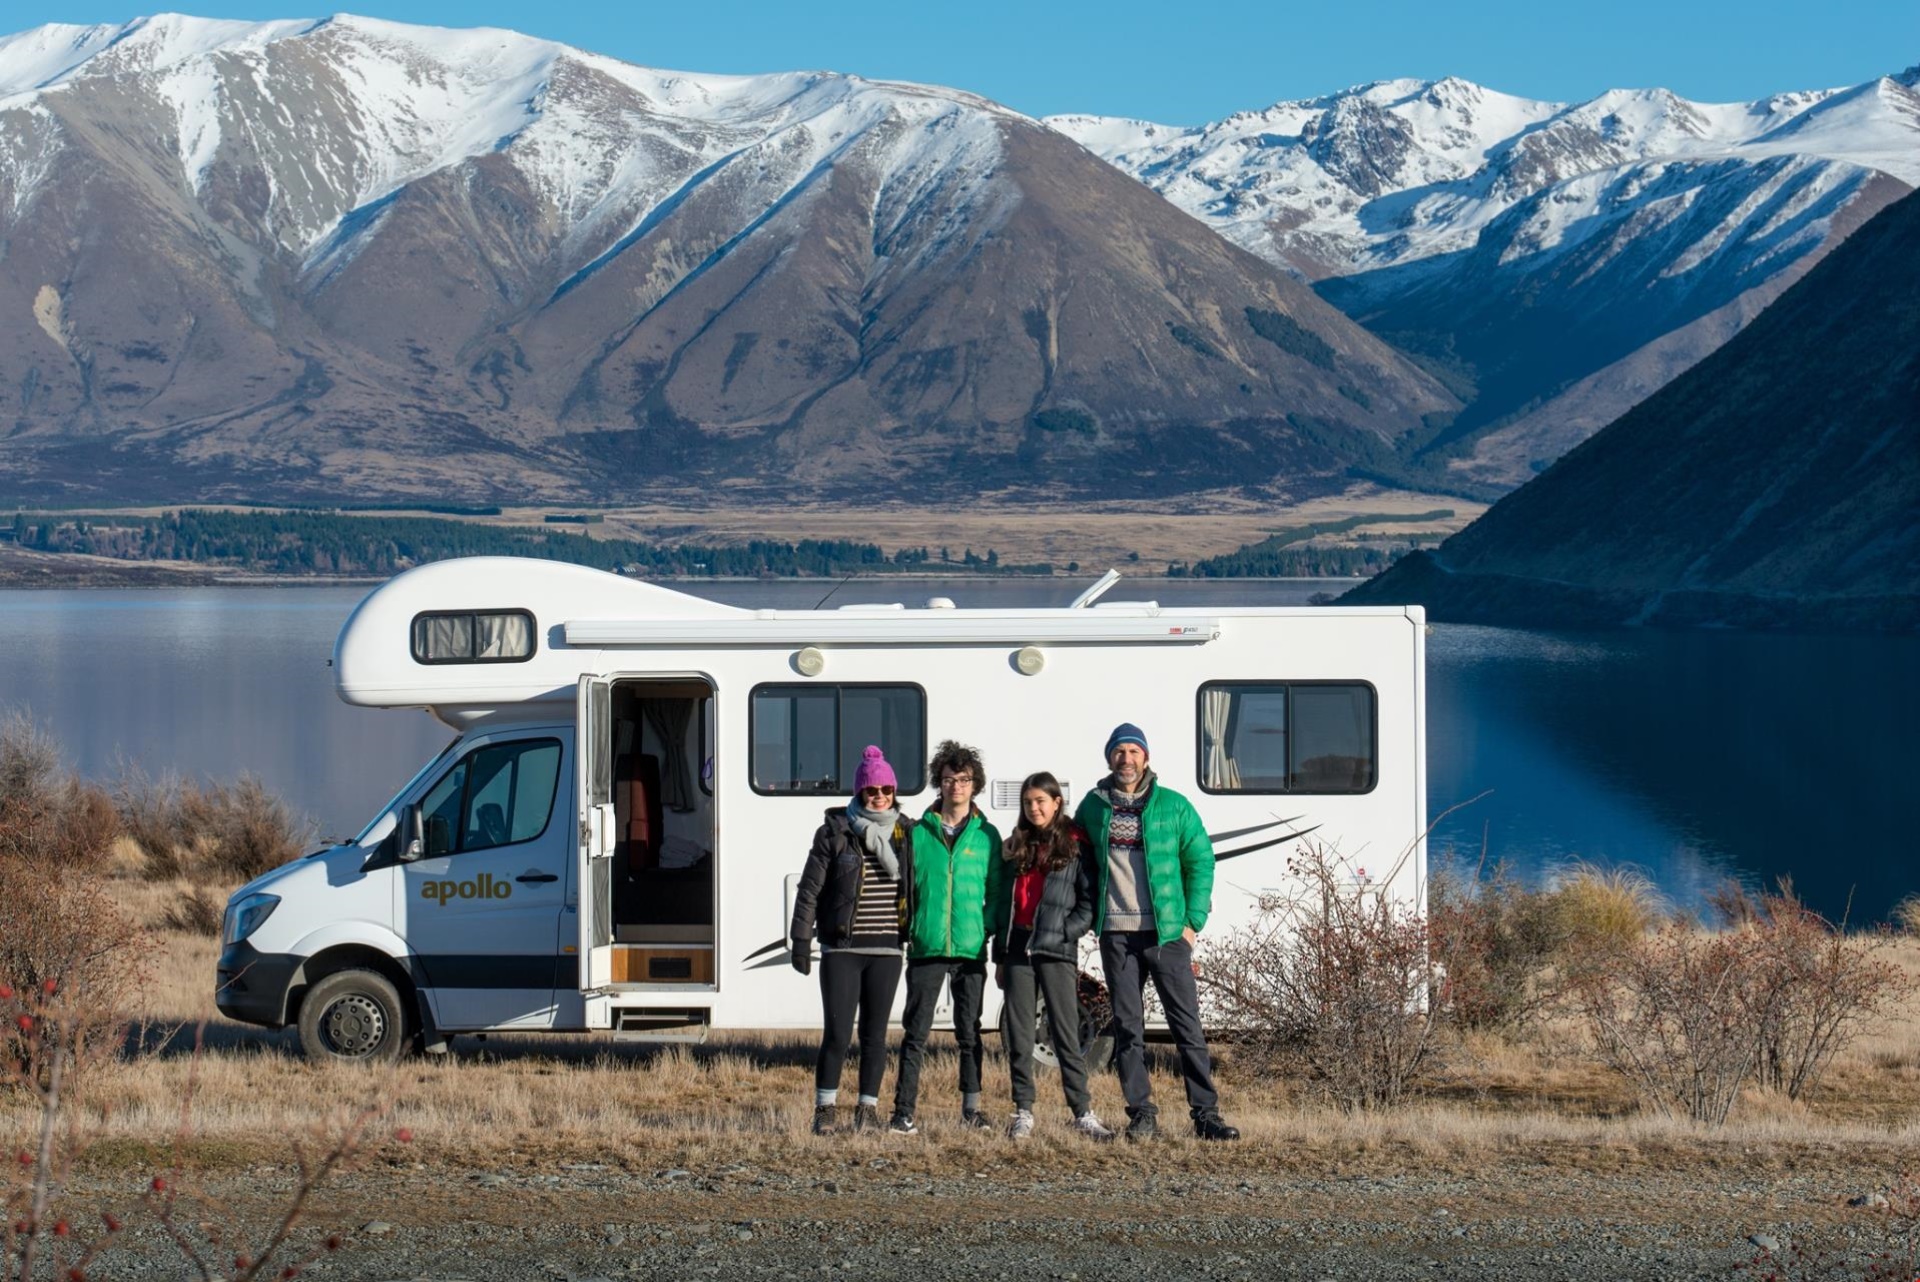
(335, 958)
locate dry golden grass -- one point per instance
(747, 1097)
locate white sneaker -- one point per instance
(1021, 1128)
(1090, 1125)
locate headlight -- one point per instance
(245, 915)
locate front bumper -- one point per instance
(253, 985)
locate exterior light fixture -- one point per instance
(809, 662)
(1029, 660)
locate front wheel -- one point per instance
(354, 1017)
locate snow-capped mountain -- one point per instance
(351, 256)
(1560, 260)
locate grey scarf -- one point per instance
(876, 830)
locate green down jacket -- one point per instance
(952, 894)
(1179, 859)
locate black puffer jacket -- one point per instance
(829, 889)
(1066, 907)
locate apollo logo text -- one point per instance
(485, 886)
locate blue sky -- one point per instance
(1199, 60)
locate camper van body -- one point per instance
(613, 839)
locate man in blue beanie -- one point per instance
(1156, 889)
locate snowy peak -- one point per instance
(316, 123)
(1399, 170)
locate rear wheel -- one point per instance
(354, 1017)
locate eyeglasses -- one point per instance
(881, 790)
(948, 781)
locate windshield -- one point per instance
(405, 788)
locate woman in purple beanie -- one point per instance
(849, 896)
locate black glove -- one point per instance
(801, 951)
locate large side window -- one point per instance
(496, 796)
(808, 738)
(1281, 736)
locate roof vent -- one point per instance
(939, 603)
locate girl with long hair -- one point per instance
(1050, 865)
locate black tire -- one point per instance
(353, 1017)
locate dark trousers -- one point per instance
(1129, 958)
(850, 981)
(1057, 982)
(969, 979)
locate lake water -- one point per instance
(1691, 755)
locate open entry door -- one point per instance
(593, 721)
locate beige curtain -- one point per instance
(1222, 771)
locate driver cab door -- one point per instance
(481, 908)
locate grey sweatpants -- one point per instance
(1057, 982)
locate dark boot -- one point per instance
(1144, 1126)
(826, 1119)
(1208, 1126)
(866, 1117)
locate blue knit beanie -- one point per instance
(1126, 732)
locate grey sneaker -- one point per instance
(974, 1119)
(902, 1124)
(1090, 1125)
(826, 1119)
(1021, 1127)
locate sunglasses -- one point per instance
(880, 791)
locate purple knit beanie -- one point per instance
(873, 771)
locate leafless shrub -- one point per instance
(1676, 1014)
(29, 760)
(219, 832)
(62, 933)
(1332, 979)
(250, 830)
(1906, 915)
(1494, 943)
(195, 910)
(1815, 985)
(46, 813)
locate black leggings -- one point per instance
(847, 980)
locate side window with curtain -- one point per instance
(808, 739)
(1281, 737)
(497, 795)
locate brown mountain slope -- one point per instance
(646, 285)
(1776, 482)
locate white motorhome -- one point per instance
(613, 839)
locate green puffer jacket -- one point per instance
(1179, 859)
(952, 894)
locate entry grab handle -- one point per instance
(538, 876)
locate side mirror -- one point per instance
(413, 842)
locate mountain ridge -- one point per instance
(306, 257)
(1555, 260)
(1777, 483)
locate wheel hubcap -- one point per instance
(355, 1025)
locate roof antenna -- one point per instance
(1095, 592)
(835, 588)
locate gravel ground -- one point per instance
(861, 1213)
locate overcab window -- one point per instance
(808, 738)
(473, 636)
(1276, 736)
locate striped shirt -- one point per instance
(876, 915)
